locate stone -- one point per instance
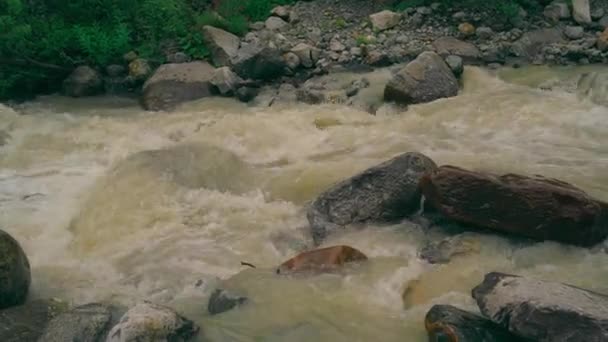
(178, 57)
(602, 40)
(223, 45)
(86, 323)
(581, 11)
(377, 58)
(83, 81)
(15, 276)
(130, 56)
(449, 323)
(383, 193)
(281, 12)
(532, 43)
(456, 65)
(384, 20)
(275, 23)
(246, 94)
(532, 207)
(484, 33)
(173, 84)
(152, 322)
(320, 260)
(466, 29)
(307, 54)
(445, 250)
(139, 69)
(603, 22)
(291, 60)
(425, 79)
(115, 70)
(258, 62)
(222, 301)
(557, 11)
(257, 26)
(446, 46)
(424, 10)
(336, 45)
(356, 51)
(225, 80)
(541, 310)
(574, 32)
(26, 323)
(459, 16)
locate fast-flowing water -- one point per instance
(114, 203)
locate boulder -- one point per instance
(173, 84)
(86, 323)
(258, 62)
(466, 29)
(26, 323)
(425, 79)
(308, 55)
(222, 301)
(581, 11)
(597, 13)
(139, 69)
(556, 11)
(15, 277)
(456, 65)
(451, 324)
(275, 23)
(247, 94)
(83, 81)
(533, 42)
(281, 12)
(574, 32)
(602, 40)
(604, 22)
(178, 57)
(226, 81)
(377, 58)
(151, 322)
(446, 46)
(543, 311)
(222, 45)
(484, 33)
(384, 20)
(533, 207)
(383, 193)
(323, 259)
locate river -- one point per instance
(114, 203)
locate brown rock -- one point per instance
(602, 40)
(321, 259)
(538, 208)
(466, 29)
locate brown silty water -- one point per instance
(114, 203)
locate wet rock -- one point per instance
(556, 11)
(385, 192)
(258, 62)
(425, 79)
(446, 46)
(15, 277)
(222, 301)
(384, 20)
(275, 23)
(443, 251)
(543, 311)
(173, 84)
(87, 323)
(466, 29)
(574, 32)
(456, 65)
(323, 259)
(451, 324)
(281, 12)
(307, 54)
(532, 43)
(139, 69)
(247, 94)
(116, 70)
(83, 81)
(226, 81)
(581, 12)
(26, 323)
(484, 33)
(537, 208)
(594, 86)
(602, 41)
(223, 45)
(151, 322)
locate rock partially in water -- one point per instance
(222, 301)
(83, 81)
(443, 251)
(223, 45)
(151, 322)
(456, 64)
(15, 276)
(86, 323)
(543, 311)
(594, 86)
(383, 193)
(425, 79)
(537, 208)
(321, 260)
(173, 84)
(26, 323)
(446, 323)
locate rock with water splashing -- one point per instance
(26, 323)
(594, 86)
(533, 207)
(222, 300)
(443, 251)
(86, 323)
(425, 79)
(151, 322)
(383, 193)
(15, 276)
(173, 84)
(449, 323)
(323, 259)
(543, 311)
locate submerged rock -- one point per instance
(223, 45)
(26, 323)
(86, 323)
(425, 79)
(151, 322)
(173, 84)
(446, 323)
(383, 193)
(222, 301)
(321, 259)
(15, 277)
(537, 208)
(543, 311)
(83, 81)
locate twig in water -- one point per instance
(247, 264)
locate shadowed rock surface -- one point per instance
(222, 301)
(15, 275)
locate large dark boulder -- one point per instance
(445, 323)
(173, 84)
(15, 277)
(258, 62)
(533, 207)
(543, 311)
(86, 323)
(383, 193)
(322, 259)
(26, 323)
(425, 79)
(83, 81)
